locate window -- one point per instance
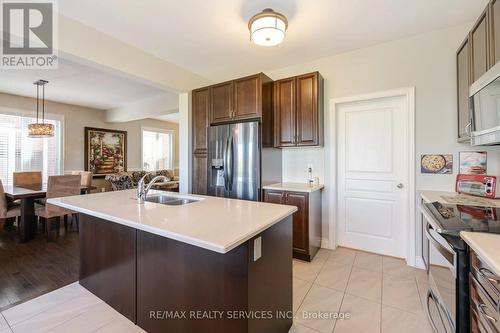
(18, 152)
(157, 148)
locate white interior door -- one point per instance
(373, 173)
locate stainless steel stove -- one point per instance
(447, 260)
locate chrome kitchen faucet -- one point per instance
(142, 189)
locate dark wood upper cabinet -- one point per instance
(242, 99)
(480, 43)
(308, 110)
(201, 109)
(494, 31)
(463, 90)
(247, 97)
(284, 112)
(298, 111)
(221, 102)
(475, 56)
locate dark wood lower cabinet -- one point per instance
(484, 296)
(306, 220)
(164, 285)
(300, 224)
(200, 174)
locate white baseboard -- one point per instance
(325, 243)
(419, 262)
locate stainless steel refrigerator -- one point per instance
(238, 166)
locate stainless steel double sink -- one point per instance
(170, 200)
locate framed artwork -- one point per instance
(473, 162)
(105, 151)
(436, 164)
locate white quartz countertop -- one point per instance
(216, 224)
(487, 247)
(458, 198)
(297, 187)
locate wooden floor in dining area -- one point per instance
(28, 270)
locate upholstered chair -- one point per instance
(7, 209)
(58, 186)
(27, 178)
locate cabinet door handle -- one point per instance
(488, 275)
(480, 307)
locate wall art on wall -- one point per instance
(105, 151)
(436, 163)
(473, 162)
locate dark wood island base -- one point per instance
(164, 285)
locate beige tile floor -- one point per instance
(381, 295)
(68, 309)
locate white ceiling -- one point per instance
(78, 84)
(210, 37)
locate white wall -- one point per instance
(185, 127)
(426, 62)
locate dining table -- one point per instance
(27, 225)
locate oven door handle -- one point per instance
(450, 256)
(428, 310)
(439, 308)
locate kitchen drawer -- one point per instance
(485, 311)
(484, 275)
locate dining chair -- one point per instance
(27, 178)
(86, 182)
(7, 209)
(58, 186)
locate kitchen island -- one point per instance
(211, 265)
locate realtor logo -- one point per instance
(28, 35)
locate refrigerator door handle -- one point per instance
(225, 166)
(229, 163)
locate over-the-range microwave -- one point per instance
(484, 103)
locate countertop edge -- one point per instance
(284, 187)
(171, 235)
(481, 252)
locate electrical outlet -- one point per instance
(257, 248)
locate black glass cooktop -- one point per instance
(451, 219)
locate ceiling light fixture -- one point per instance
(40, 130)
(267, 28)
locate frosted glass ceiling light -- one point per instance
(268, 28)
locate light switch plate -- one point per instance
(257, 248)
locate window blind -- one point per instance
(18, 152)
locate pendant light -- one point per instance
(267, 28)
(40, 130)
